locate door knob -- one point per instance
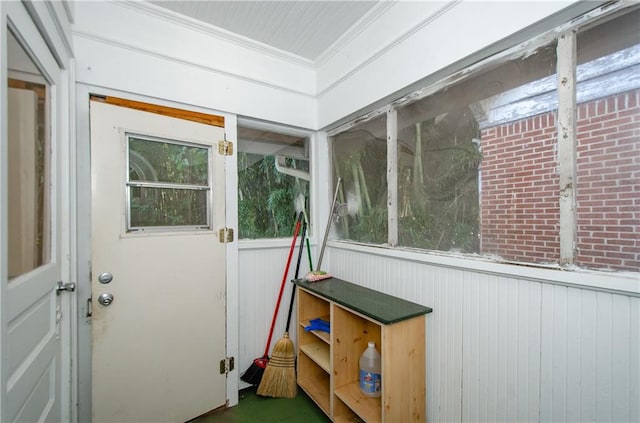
(105, 277)
(105, 299)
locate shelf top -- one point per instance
(381, 307)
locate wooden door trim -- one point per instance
(199, 117)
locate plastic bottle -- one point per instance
(370, 379)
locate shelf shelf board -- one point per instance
(368, 409)
(319, 353)
(347, 419)
(320, 334)
(318, 392)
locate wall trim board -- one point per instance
(149, 52)
(205, 118)
(55, 33)
(621, 283)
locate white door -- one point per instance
(33, 386)
(157, 203)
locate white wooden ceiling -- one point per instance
(304, 28)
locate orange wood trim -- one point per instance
(39, 89)
(205, 118)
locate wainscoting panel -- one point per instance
(504, 349)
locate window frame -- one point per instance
(565, 36)
(312, 145)
(129, 229)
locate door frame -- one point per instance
(83, 217)
(45, 35)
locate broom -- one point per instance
(253, 375)
(279, 379)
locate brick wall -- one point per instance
(519, 206)
(519, 192)
(608, 182)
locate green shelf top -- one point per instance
(381, 307)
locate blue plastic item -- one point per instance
(318, 324)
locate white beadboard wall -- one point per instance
(506, 349)
(259, 278)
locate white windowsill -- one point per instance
(627, 283)
(263, 244)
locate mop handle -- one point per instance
(284, 278)
(326, 232)
(293, 290)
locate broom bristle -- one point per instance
(254, 373)
(279, 378)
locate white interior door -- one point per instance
(31, 227)
(157, 202)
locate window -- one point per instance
(28, 164)
(478, 165)
(608, 145)
(360, 159)
(168, 184)
(273, 182)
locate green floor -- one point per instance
(252, 408)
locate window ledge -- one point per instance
(627, 283)
(262, 244)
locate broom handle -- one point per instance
(326, 231)
(293, 290)
(284, 278)
(309, 254)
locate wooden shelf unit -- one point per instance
(328, 364)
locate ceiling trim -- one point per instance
(358, 27)
(214, 31)
(389, 46)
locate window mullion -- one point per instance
(392, 176)
(566, 70)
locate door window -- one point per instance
(29, 215)
(168, 184)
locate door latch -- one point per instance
(68, 287)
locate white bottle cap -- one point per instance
(372, 344)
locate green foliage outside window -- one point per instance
(183, 170)
(438, 166)
(439, 161)
(360, 159)
(267, 198)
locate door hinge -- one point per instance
(225, 235)
(227, 365)
(89, 308)
(225, 148)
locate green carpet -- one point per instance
(252, 408)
